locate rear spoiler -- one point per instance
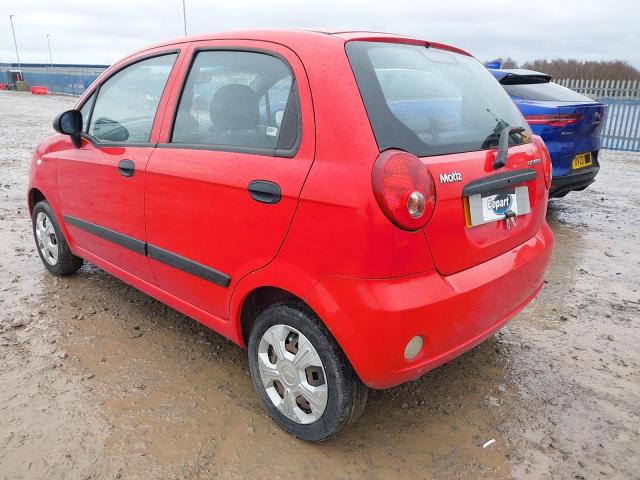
(519, 76)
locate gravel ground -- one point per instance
(101, 381)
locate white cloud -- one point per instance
(102, 31)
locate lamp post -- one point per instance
(184, 17)
(15, 43)
(50, 57)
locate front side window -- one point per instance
(127, 102)
(85, 110)
(236, 99)
(429, 101)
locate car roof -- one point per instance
(293, 38)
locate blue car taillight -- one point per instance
(553, 119)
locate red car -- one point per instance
(353, 208)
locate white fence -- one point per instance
(621, 130)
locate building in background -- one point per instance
(58, 78)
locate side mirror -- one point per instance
(70, 123)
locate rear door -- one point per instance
(101, 185)
(223, 186)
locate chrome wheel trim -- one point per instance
(46, 239)
(286, 375)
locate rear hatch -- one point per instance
(444, 107)
(455, 245)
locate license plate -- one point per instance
(491, 207)
(581, 160)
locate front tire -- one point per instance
(50, 242)
(301, 375)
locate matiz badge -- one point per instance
(450, 177)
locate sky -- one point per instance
(102, 32)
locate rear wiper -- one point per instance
(503, 132)
(495, 134)
(503, 146)
(501, 122)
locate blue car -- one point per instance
(569, 123)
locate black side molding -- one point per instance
(156, 253)
(124, 241)
(188, 266)
(499, 181)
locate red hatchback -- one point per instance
(354, 208)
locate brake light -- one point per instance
(404, 189)
(553, 119)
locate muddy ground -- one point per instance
(97, 380)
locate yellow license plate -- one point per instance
(581, 160)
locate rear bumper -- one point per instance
(574, 181)
(373, 320)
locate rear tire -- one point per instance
(50, 242)
(301, 375)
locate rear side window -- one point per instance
(236, 100)
(127, 102)
(429, 101)
(545, 91)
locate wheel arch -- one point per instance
(259, 299)
(34, 196)
(40, 192)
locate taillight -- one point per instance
(546, 159)
(548, 167)
(404, 189)
(553, 119)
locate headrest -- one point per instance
(234, 107)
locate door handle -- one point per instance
(264, 191)
(126, 168)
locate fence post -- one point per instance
(615, 120)
(635, 132)
(629, 111)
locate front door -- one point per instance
(101, 185)
(223, 188)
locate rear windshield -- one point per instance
(545, 91)
(430, 101)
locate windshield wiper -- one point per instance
(503, 146)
